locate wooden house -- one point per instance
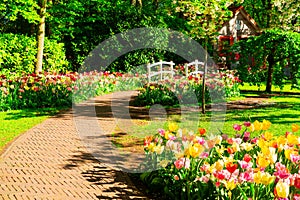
(239, 27)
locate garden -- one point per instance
(249, 158)
(247, 148)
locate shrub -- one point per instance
(18, 52)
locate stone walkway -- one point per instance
(50, 162)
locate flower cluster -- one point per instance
(183, 89)
(202, 166)
(52, 89)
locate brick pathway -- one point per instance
(50, 162)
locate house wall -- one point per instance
(238, 26)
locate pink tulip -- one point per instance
(237, 127)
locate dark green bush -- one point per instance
(17, 54)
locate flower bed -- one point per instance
(185, 90)
(203, 166)
(56, 90)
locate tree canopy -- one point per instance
(82, 25)
(272, 57)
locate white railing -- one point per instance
(163, 70)
(197, 65)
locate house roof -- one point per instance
(248, 19)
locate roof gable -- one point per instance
(241, 24)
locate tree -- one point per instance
(273, 58)
(23, 14)
(283, 14)
(273, 46)
(203, 20)
(41, 35)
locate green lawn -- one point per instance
(15, 122)
(282, 113)
(286, 88)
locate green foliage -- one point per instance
(18, 52)
(282, 14)
(274, 49)
(204, 18)
(85, 24)
(17, 16)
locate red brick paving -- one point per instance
(50, 162)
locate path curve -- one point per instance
(49, 161)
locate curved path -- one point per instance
(50, 162)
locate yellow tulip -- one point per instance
(265, 150)
(230, 185)
(262, 161)
(268, 136)
(281, 141)
(257, 177)
(263, 143)
(266, 125)
(256, 126)
(289, 152)
(282, 189)
(227, 160)
(263, 178)
(168, 135)
(179, 155)
(235, 146)
(247, 146)
(218, 139)
(295, 127)
(220, 150)
(195, 150)
(219, 165)
(267, 179)
(158, 149)
(272, 155)
(292, 139)
(151, 147)
(173, 127)
(164, 163)
(152, 87)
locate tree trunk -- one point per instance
(203, 78)
(140, 3)
(156, 4)
(133, 2)
(271, 63)
(41, 36)
(137, 3)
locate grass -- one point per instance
(281, 111)
(16, 122)
(286, 88)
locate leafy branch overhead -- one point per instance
(204, 18)
(274, 58)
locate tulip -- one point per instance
(282, 189)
